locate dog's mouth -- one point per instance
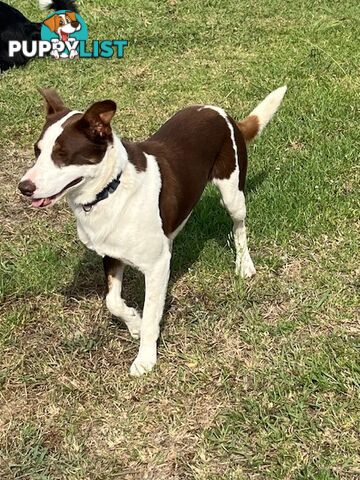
(64, 36)
(45, 202)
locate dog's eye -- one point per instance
(61, 23)
(37, 151)
(59, 151)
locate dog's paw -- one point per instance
(142, 364)
(133, 321)
(134, 327)
(73, 54)
(55, 54)
(116, 306)
(245, 268)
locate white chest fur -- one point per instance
(127, 224)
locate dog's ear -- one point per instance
(51, 23)
(96, 120)
(53, 102)
(71, 15)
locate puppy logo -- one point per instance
(64, 35)
(65, 30)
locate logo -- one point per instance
(64, 35)
(64, 30)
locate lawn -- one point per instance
(256, 379)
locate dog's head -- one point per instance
(70, 150)
(63, 24)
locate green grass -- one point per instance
(256, 380)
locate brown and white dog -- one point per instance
(132, 199)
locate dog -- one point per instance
(63, 25)
(15, 26)
(130, 200)
(69, 5)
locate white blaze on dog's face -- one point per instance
(64, 24)
(69, 151)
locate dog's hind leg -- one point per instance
(114, 270)
(228, 175)
(234, 201)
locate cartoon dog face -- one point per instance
(63, 24)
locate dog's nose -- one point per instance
(75, 24)
(27, 187)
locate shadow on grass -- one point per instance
(209, 221)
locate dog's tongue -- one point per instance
(64, 36)
(40, 202)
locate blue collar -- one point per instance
(105, 192)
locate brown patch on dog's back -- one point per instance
(191, 148)
(185, 148)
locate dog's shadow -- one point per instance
(209, 221)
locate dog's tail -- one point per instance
(59, 5)
(261, 115)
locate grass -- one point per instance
(256, 380)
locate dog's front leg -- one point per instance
(114, 270)
(156, 281)
(55, 54)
